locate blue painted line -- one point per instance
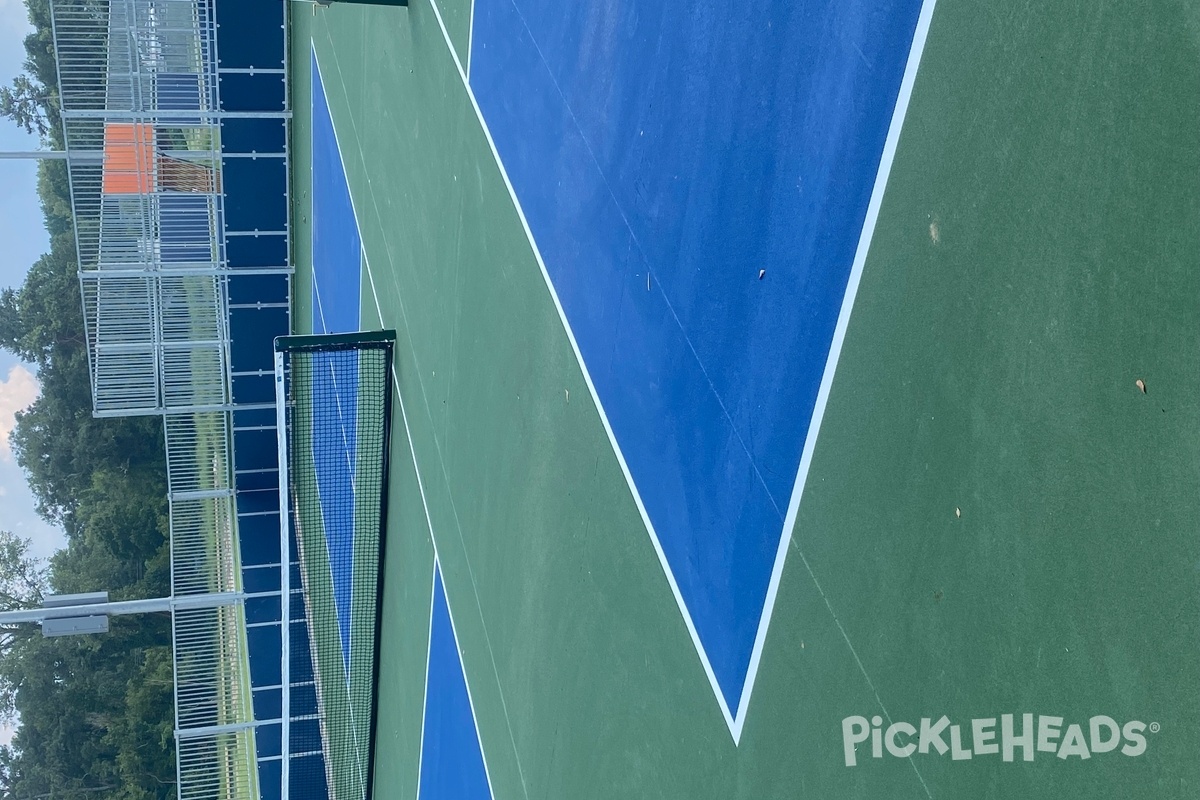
(452, 766)
(705, 144)
(337, 263)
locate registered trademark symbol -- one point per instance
(1155, 727)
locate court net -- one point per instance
(334, 407)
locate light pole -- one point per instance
(39, 155)
(73, 614)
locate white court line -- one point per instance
(433, 543)
(342, 428)
(399, 397)
(437, 446)
(312, 232)
(437, 563)
(420, 483)
(317, 296)
(466, 684)
(736, 721)
(466, 559)
(470, 37)
(425, 689)
(835, 350)
(587, 378)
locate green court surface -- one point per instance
(997, 519)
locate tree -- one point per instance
(121, 516)
(115, 741)
(104, 481)
(22, 575)
(54, 190)
(25, 103)
(22, 585)
(144, 736)
(45, 314)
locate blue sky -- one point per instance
(24, 237)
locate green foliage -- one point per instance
(25, 104)
(45, 315)
(143, 736)
(32, 99)
(54, 191)
(22, 585)
(61, 446)
(22, 576)
(94, 712)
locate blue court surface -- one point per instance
(733, 146)
(336, 242)
(452, 765)
(707, 466)
(334, 449)
(337, 254)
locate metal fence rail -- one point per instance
(204, 550)
(217, 765)
(210, 671)
(146, 191)
(158, 342)
(110, 50)
(197, 451)
(138, 83)
(214, 714)
(141, 122)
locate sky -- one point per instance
(24, 238)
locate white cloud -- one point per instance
(16, 393)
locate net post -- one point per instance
(285, 578)
(389, 344)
